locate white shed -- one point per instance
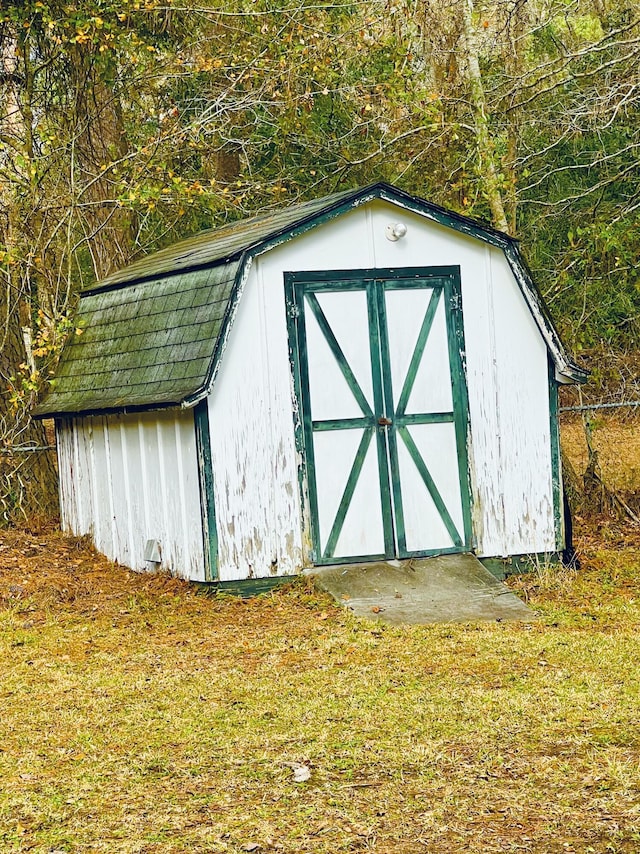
(365, 376)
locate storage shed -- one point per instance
(365, 376)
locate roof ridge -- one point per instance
(123, 277)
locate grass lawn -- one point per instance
(138, 716)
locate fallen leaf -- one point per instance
(302, 774)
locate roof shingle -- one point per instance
(147, 343)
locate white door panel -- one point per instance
(432, 386)
(422, 519)
(331, 396)
(348, 318)
(362, 532)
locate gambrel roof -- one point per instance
(152, 334)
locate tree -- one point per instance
(124, 125)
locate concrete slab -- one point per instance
(442, 589)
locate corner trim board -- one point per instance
(207, 498)
(556, 464)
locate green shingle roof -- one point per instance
(150, 342)
(219, 244)
(151, 333)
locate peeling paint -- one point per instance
(120, 502)
(261, 495)
(253, 445)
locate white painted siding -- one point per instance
(525, 430)
(258, 511)
(131, 478)
(252, 443)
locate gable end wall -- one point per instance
(257, 495)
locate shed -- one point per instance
(366, 376)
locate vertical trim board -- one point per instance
(130, 507)
(97, 509)
(556, 459)
(382, 400)
(77, 512)
(186, 550)
(64, 440)
(207, 495)
(112, 519)
(144, 476)
(166, 552)
(292, 314)
(458, 368)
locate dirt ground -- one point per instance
(139, 716)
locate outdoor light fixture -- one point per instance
(396, 230)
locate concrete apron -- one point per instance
(443, 589)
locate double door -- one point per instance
(379, 371)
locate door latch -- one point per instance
(384, 422)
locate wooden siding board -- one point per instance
(66, 466)
(129, 478)
(117, 482)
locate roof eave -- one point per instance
(363, 195)
(41, 412)
(566, 369)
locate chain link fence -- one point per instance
(601, 455)
(600, 445)
(28, 483)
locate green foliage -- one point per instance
(126, 125)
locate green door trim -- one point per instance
(458, 368)
(445, 283)
(376, 343)
(297, 293)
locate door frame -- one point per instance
(400, 278)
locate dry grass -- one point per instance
(616, 437)
(137, 716)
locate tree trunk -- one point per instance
(28, 480)
(99, 139)
(486, 152)
(516, 26)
